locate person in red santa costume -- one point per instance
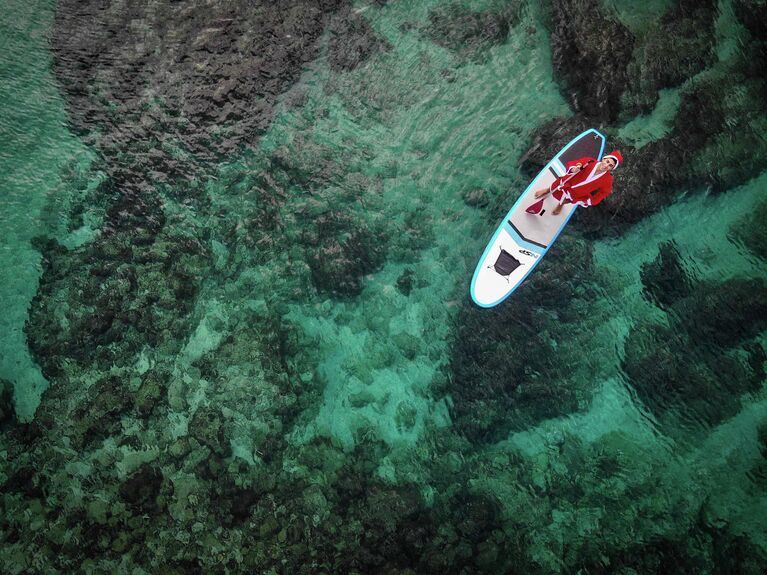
(585, 183)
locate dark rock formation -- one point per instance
(591, 53)
(405, 282)
(715, 140)
(680, 46)
(119, 297)
(353, 41)
(696, 368)
(753, 15)
(141, 489)
(161, 76)
(341, 250)
(26, 481)
(495, 385)
(701, 549)
(666, 280)
(7, 410)
(208, 427)
(99, 416)
(762, 435)
(152, 393)
(726, 314)
(471, 33)
(547, 140)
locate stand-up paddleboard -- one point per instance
(523, 238)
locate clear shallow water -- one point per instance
(257, 339)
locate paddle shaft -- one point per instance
(562, 183)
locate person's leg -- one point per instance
(535, 208)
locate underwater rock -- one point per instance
(405, 282)
(26, 481)
(697, 367)
(135, 209)
(751, 232)
(715, 142)
(353, 41)
(119, 297)
(207, 426)
(153, 392)
(141, 490)
(476, 198)
(341, 250)
(471, 33)
(713, 145)
(477, 516)
(666, 280)
(590, 53)
(674, 50)
(236, 502)
(699, 550)
(7, 409)
(497, 388)
(736, 553)
(99, 416)
(726, 314)
(698, 388)
(762, 433)
(201, 77)
(547, 140)
(753, 15)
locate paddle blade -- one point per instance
(535, 208)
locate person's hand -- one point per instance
(557, 210)
(540, 193)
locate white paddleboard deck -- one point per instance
(523, 239)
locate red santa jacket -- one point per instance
(584, 188)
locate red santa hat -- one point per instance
(617, 156)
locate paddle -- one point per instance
(536, 207)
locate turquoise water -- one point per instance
(236, 253)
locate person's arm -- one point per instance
(605, 190)
(587, 200)
(576, 165)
